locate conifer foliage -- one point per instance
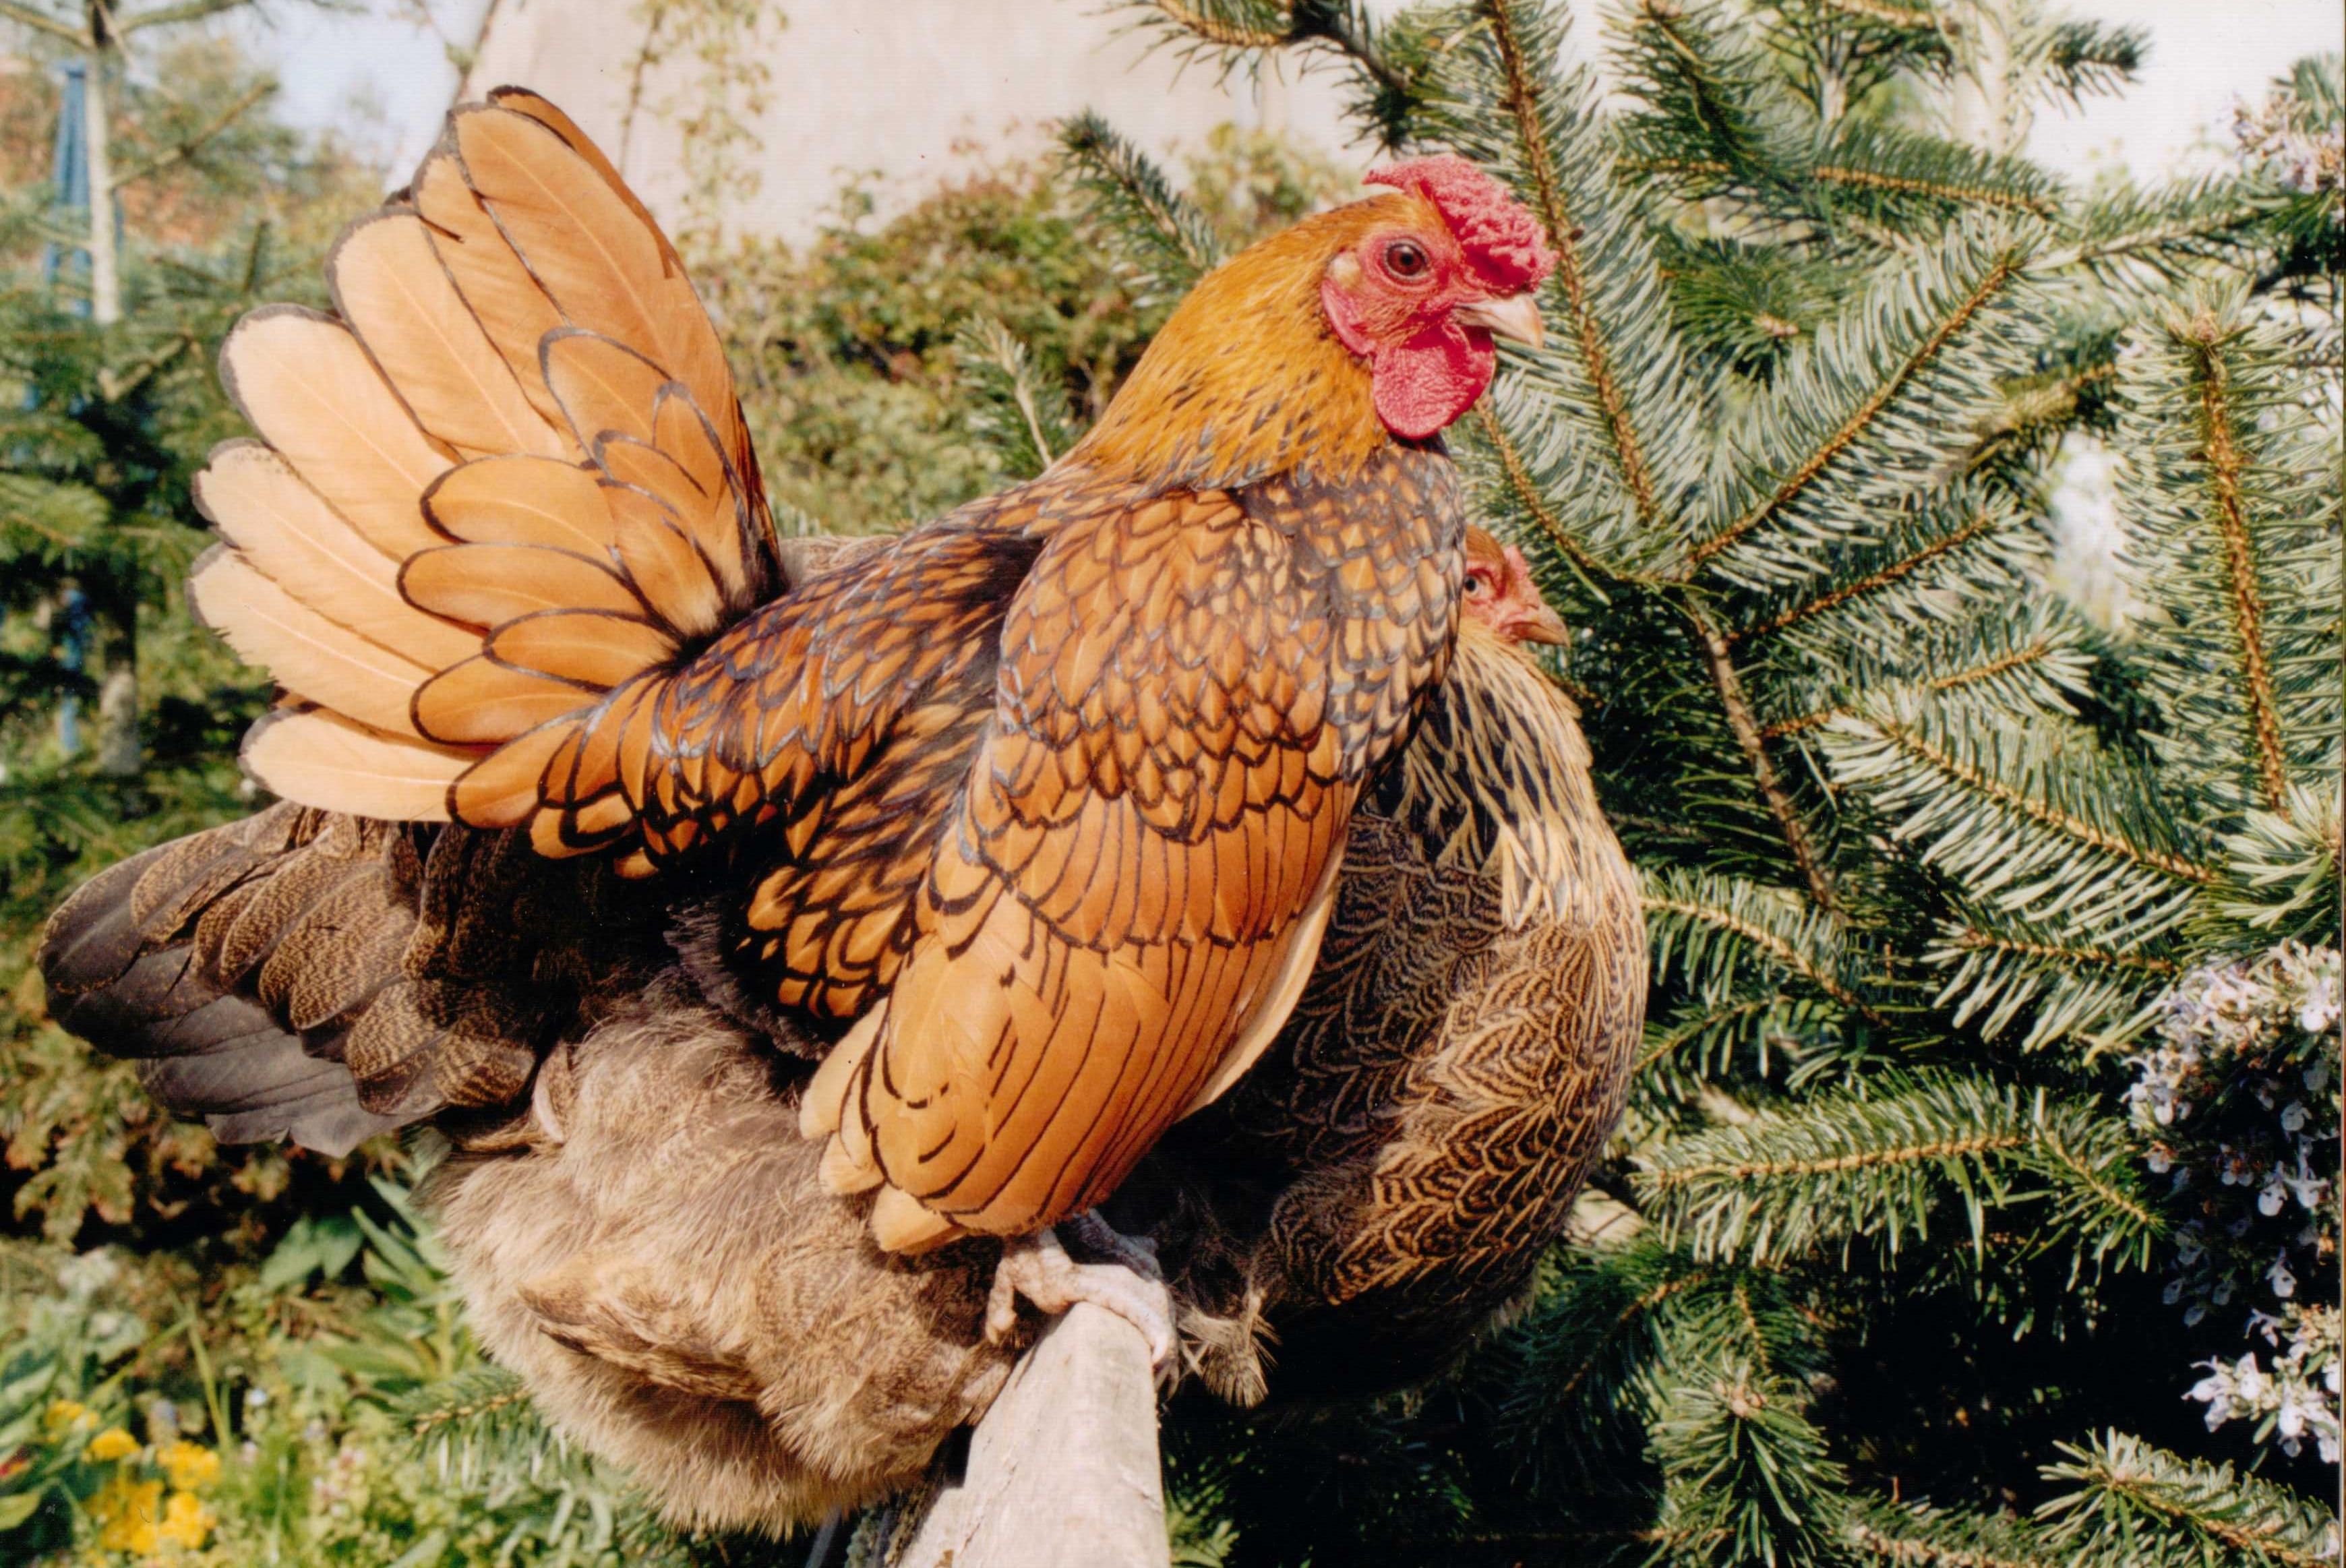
(1930, 853)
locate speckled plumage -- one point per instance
(1385, 1179)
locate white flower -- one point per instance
(2319, 1009)
(2284, 1283)
(86, 1275)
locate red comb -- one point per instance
(1502, 240)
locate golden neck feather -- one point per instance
(1247, 380)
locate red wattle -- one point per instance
(1424, 384)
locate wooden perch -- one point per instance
(1063, 1473)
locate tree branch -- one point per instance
(165, 15)
(1863, 415)
(2224, 465)
(189, 146)
(1720, 660)
(1564, 239)
(1988, 671)
(2038, 811)
(41, 21)
(1872, 582)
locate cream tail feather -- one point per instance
(506, 478)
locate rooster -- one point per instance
(1030, 817)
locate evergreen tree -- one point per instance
(102, 427)
(1945, 879)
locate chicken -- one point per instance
(1027, 824)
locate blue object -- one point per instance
(69, 178)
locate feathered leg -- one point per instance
(1129, 1284)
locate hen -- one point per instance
(1030, 817)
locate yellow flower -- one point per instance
(111, 1443)
(186, 1520)
(64, 1413)
(129, 1513)
(191, 1465)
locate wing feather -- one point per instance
(307, 385)
(1070, 994)
(285, 530)
(311, 656)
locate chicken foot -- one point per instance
(1129, 1283)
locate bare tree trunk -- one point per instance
(1062, 1471)
(105, 266)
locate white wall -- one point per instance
(912, 88)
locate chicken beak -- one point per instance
(1516, 317)
(1546, 627)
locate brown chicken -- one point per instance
(1033, 815)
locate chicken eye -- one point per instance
(1406, 259)
(1477, 586)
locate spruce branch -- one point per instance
(1878, 1166)
(1523, 34)
(1911, 1535)
(1939, 542)
(1712, 925)
(1226, 25)
(2004, 972)
(1718, 659)
(1534, 503)
(2246, 602)
(2128, 1490)
(2227, 481)
(2029, 818)
(1882, 387)
(1167, 243)
(2031, 661)
(1016, 408)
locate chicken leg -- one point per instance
(1128, 1283)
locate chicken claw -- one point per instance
(1130, 1285)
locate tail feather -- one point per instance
(389, 285)
(321, 977)
(498, 499)
(136, 964)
